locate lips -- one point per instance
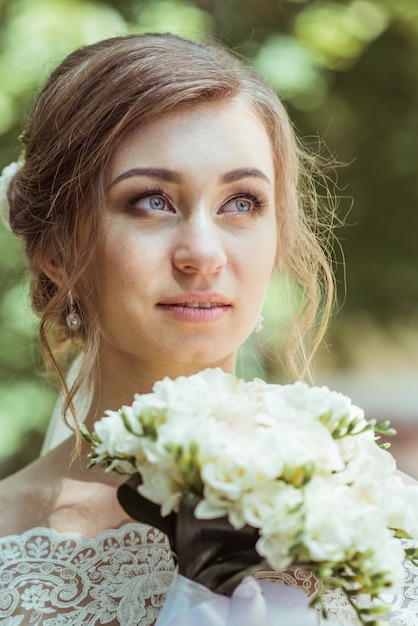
(198, 308)
(200, 305)
(197, 299)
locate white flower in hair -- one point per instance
(6, 176)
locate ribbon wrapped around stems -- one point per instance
(253, 603)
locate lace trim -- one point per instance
(122, 577)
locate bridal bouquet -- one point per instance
(294, 471)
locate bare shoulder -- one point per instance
(23, 501)
(53, 493)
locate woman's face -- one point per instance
(189, 239)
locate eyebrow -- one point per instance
(174, 177)
(150, 172)
(244, 172)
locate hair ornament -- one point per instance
(5, 177)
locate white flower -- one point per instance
(270, 503)
(162, 484)
(5, 177)
(181, 451)
(195, 395)
(349, 447)
(399, 502)
(300, 444)
(302, 403)
(277, 509)
(340, 525)
(329, 534)
(225, 480)
(115, 440)
(387, 555)
(370, 466)
(241, 414)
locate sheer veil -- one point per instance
(57, 430)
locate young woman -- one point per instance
(161, 185)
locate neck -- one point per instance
(119, 377)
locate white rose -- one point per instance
(241, 413)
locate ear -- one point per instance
(54, 271)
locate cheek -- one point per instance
(265, 253)
(257, 263)
(116, 269)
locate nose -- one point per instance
(199, 247)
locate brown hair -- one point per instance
(90, 102)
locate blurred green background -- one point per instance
(348, 72)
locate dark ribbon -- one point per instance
(210, 552)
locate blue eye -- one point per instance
(246, 202)
(149, 202)
(157, 203)
(243, 206)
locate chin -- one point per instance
(203, 356)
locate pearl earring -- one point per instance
(72, 319)
(259, 324)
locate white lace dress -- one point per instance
(121, 577)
